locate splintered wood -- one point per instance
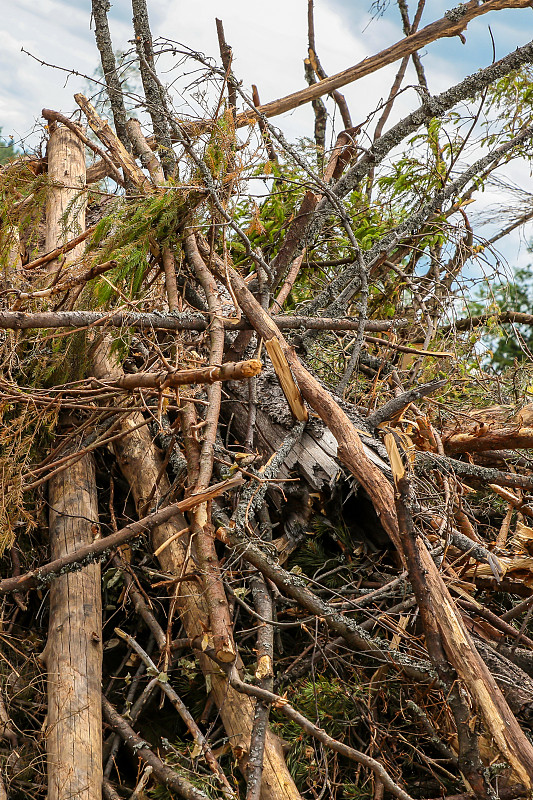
(283, 371)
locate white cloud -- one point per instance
(269, 44)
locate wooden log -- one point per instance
(142, 466)
(66, 168)
(444, 629)
(200, 459)
(117, 150)
(467, 662)
(230, 371)
(73, 653)
(489, 439)
(55, 116)
(314, 456)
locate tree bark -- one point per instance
(73, 653)
(65, 209)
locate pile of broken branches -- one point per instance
(240, 492)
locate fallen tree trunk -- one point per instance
(449, 25)
(21, 320)
(502, 439)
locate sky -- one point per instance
(269, 42)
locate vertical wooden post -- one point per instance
(73, 652)
(74, 648)
(65, 209)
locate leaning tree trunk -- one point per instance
(143, 468)
(73, 653)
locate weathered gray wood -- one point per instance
(314, 457)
